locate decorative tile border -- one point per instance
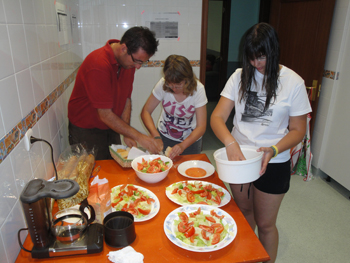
(11, 140)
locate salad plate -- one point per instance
(182, 200)
(155, 206)
(170, 228)
(197, 166)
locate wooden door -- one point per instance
(303, 28)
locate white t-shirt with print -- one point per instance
(178, 119)
(253, 125)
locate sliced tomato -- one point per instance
(207, 228)
(218, 228)
(204, 194)
(198, 191)
(183, 227)
(186, 189)
(175, 191)
(211, 219)
(114, 204)
(217, 200)
(144, 211)
(209, 195)
(204, 234)
(196, 213)
(183, 217)
(139, 166)
(150, 201)
(190, 197)
(213, 213)
(202, 203)
(190, 232)
(125, 207)
(133, 211)
(216, 239)
(192, 238)
(179, 192)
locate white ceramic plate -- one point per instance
(154, 207)
(208, 167)
(224, 201)
(169, 227)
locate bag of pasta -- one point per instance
(75, 163)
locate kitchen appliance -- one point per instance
(36, 199)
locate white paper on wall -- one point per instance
(164, 24)
(62, 23)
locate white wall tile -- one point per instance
(8, 190)
(13, 11)
(14, 222)
(21, 166)
(3, 256)
(50, 12)
(25, 91)
(38, 83)
(19, 52)
(32, 44)
(39, 12)
(28, 11)
(6, 64)
(2, 128)
(36, 152)
(335, 39)
(43, 42)
(9, 101)
(2, 12)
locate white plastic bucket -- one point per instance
(239, 172)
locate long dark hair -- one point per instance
(261, 40)
(140, 37)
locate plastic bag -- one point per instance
(100, 198)
(301, 155)
(75, 163)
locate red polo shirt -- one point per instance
(97, 86)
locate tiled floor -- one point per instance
(313, 221)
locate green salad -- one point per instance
(199, 229)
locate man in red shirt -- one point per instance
(99, 108)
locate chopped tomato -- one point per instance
(213, 213)
(202, 203)
(192, 238)
(139, 166)
(211, 219)
(217, 199)
(179, 192)
(209, 195)
(144, 211)
(204, 194)
(218, 228)
(183, 217)
(175, 191)
(207, 228)
(183, 227)
(196, 213)
(190, 232)
(190, 197)
(216, 239)
(198, 191)
(125, 207)
(204, 234)
(150, 200)
(114, 204)
(133, 211)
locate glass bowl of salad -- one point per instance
(152, 168)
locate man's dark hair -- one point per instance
(140, 37)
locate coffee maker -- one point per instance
(36, 199)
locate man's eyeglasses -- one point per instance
(137, 61)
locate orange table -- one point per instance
(151, 240)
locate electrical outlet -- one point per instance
(27, 143)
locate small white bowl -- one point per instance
(208, 167)
(151, 177)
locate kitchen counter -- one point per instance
(151, 240)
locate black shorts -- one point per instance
(275, 180)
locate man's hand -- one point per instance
(130, 142)
(150, 144)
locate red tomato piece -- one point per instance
(202, 203)
(190, 197)
(150, 201)
(139, 166)
(114, 204)
(204, 194)
(183, 217)
(217, 200)
(125, 207)
(133, 211)
(204, 235)
(207, 228)
(179, 192)
(213, 213)
(175, 191)
(198, 191)
(211, 219)
(218, 228)
(144, 211)
(190, 232)
(216, 239)
(192, 238)
(183, 227)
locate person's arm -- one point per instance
(218, 124)
(201, 116)
(146, 116)
(126, 115)
(118, 125)
(297, 130)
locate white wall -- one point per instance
(32, 65)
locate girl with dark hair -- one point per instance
(271, 106)
(183, 119)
